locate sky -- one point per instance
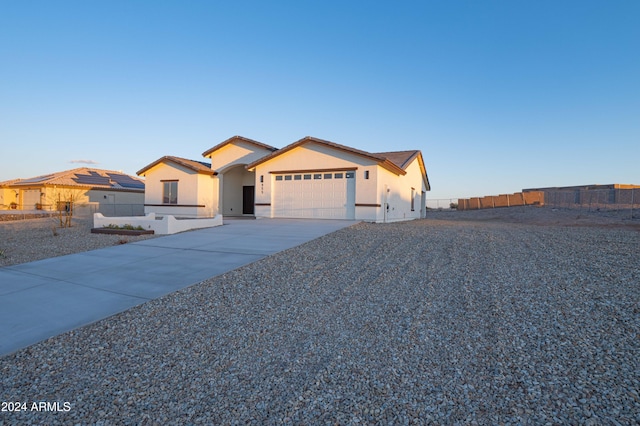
(498, 95)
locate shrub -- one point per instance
(453, 205)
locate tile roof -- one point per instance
(196, 166)
(401, 159)
(395, 162)
(83, 177)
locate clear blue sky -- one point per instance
(498, 95)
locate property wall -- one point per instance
(236, 153)
(117, 202)
(167, 225)
(503, 200)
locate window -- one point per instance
(349, 175)
(413, 198)
(338, 176)
(287, 177)
(170, 192)
(297, 177)
(278, 177)
(317, 176)
(307, 177)
(366, 174)
(327, 175)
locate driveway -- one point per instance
(42, 299)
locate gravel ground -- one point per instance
(35, 239)
(437, 321)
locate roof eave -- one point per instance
(222, 144)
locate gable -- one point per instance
(313, 156)
(336, 150)
(183, 164)
(235, 151)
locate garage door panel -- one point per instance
(322, 196)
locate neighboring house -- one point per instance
(113, 193)
(311, 178)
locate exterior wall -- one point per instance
(236, 153)
(314, 157)
(395, 191)
(370, 194)
(232, 182)
(85, 201)
(195, 192)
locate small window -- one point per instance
(297, 177)
(307, 177)
(366, 174)
(170, 192)
(287, 177)
(327, 175)
(317, 176)
(278, 177)
(349, 175)
(413, 198)
(338, 175)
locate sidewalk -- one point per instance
(48, 297)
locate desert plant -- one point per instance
(453, 205)
(54, 231)
(2, 255)
(125, 226)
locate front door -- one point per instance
(248, 199)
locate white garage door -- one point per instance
(327, 195)
(29, 199)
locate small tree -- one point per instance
(65, 211)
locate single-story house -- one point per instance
(310, 178)
(110, 192)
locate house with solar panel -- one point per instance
(92, 190)
(310, 178)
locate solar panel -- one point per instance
(35, 179)
(92, 179)
(126, 181)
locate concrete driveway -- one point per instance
(48, 297)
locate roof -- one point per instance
(232, 139)
(196, 166)
(395, 162)
(83, 177)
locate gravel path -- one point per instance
(423, 322)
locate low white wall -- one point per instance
(166, 225)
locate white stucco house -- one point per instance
(310, 178)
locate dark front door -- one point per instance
(248, 199)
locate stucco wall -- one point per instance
(232, 182)
(194, 189)
(396, 192)
(369, 192)
(236, 153)
(313, 157)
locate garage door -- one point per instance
(327, 195)
(30, 197)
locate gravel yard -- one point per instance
(454, 319)
(35, 239)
